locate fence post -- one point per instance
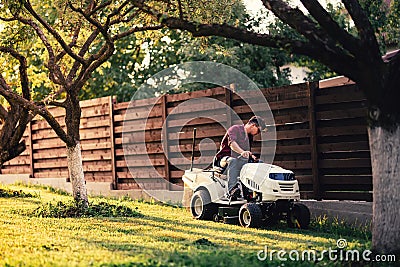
(164, 108)
(228, 102)
(112, 140)
(31, 163)
(313, 141)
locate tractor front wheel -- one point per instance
(250, 215)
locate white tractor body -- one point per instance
(269, 193)
(273, 182)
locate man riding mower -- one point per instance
(240, 188)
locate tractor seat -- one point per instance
(218, 170)
(220, 167)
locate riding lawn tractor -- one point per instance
(269, 193)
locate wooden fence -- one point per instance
(321, 135)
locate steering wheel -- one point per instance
(249, 159)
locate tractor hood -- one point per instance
(260, 171)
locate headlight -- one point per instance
(282, 176)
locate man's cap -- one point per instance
(259, 122)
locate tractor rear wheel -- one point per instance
(299, 216)
(201, 206)
(250, 215)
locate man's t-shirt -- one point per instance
(238, 134)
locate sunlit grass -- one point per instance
(162, 236)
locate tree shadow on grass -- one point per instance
(273, 232)
(167, 230)
(21, 205)
(185, 252)
(204, 245)
(218, 231)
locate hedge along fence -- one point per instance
(321, 135)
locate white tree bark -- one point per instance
(75, 167)
(385, 157)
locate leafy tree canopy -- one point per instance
(129, 68)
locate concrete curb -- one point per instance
(351, 212)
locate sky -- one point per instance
(253, 6)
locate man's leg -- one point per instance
(233, 171)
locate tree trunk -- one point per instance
(75, 167)
(385, 157)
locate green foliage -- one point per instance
(138, 59)
(315, 70)
(205, 11)
(13, 6)
(385, 20)
(341, 228)
(76, 209)
(260, 64)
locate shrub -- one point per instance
(75, 209)
(5, 192)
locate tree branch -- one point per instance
(180, 9)
(126, 12)
(71, 44)
(295, 18)
(97, 8)
(52, 96)
(136, 29)
(55, 72)
(5, 86)
(325, 20)
(320, 45)
(21, 118)
(393, 61)
(56, 104)
(102, 57)
(326, 49)
(15, 122)
(335, 58)
(22, 69)
(9, 153)
(8, 19)
(53, 32)
(126, 20)
(24, 119)
(365, 30)
(3, 113)
(82, 53)
(232, 32)
(117, 11)
(94, 22)
(42, 111)
(51, 103)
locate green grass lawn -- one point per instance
(162, 236)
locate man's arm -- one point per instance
(236, 148)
